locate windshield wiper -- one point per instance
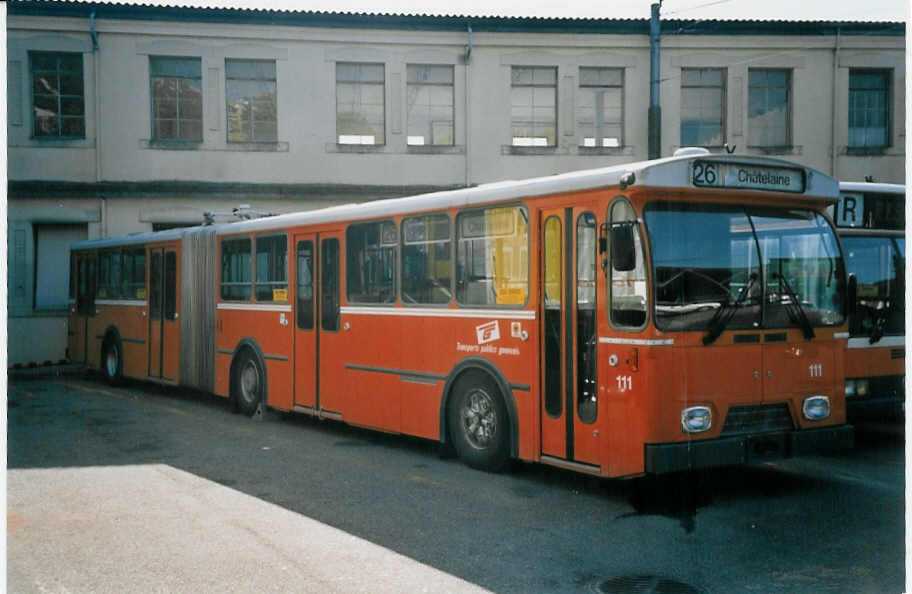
(797, 314)
(726, 312)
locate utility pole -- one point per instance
(655, 109)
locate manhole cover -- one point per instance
(644, 584)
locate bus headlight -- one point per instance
(857, 387)
(696, 419)
(816, 408)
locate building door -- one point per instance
(568, 311)
(164, 327)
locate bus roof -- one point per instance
(670, 172)
(847, 186)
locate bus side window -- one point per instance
(627, 287)
(329, 284)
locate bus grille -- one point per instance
(757, 419)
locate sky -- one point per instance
(815, 10)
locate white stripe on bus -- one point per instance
(254, 307)
(508, 314)
(637, 341)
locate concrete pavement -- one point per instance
(154, 528)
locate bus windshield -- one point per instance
(756, 268)
(879, 264)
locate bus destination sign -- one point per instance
(714, 174)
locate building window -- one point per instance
(360, 109)
(250, 87)
(58, 96)
(430, 105)
(600, 111)
(702, 106)
(869, 108)
(177, 101)
(370, 262)
(768, 107)
(533, 105)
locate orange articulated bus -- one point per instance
(653, 317)
(870, 220)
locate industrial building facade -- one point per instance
(125, 119)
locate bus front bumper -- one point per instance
(747, 449)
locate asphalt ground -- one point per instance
(141, 488)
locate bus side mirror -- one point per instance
(852, 296)
(623, 248)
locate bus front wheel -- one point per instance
(477, 420)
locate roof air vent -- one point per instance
(691, 151)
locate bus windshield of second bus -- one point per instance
(748, 267)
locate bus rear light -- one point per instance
(816, 408)
(696, 419)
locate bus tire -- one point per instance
(112, 359)
(249, 380)
(478, 423)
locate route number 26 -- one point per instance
(705, 174)
(625, 383)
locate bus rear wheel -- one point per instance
(249, 381)
(112, 360)
(477, 421)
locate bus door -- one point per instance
(306, 337)
(569, 338)
(164, 326)
(327, 364)
(85, 306)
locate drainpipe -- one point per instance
(655, 109)
(468, 60)
(833, 148)
(95, 66)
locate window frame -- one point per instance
(789, 81)
(275, 96)
(723, 116)
(452, 256)
(523, 208)
(59, 116)
(221, 255)
(254, 268)
(395, 264)
(382, 86)
(887, 74)
(533, 85)
(647, 266)
(451, 85)
(621, 122)
(176, 139)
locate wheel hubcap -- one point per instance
(250, 381)
(479, 419)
